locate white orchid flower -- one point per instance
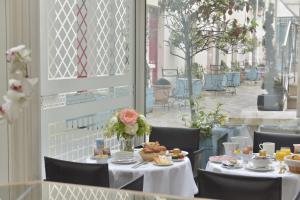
(18, 54)
(113, 120)
(131, 130)
(142, 117)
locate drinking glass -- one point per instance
(280, 155)
(286, 150)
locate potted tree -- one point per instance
(206, 121)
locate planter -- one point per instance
(270, 102)
(206, 143)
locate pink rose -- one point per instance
(128, 116)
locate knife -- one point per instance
(139, 164)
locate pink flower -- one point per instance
(2, 110)
(128, 116)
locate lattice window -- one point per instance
(89, 52)
(88, 38)
(64, 191)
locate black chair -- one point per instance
(233, 187)
(136, 184)
(187, 139)
(76, 173)
(280, 140)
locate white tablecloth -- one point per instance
(176, 179)
(290, 181)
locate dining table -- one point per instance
(290, 181)
(176, 179)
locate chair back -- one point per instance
(76, 173)
(280, 140)
(233, 187)
(187, 139)
(136, 184)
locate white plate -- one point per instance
(259, 169)
(238, 166)
(163, 164)
(124, 161)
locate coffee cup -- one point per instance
(260, 162)
(269, 147)
(230, 147)
(296, 148)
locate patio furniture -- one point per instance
(214, 82)
(181, 90)
(136, 184)
(76, 173)
(232, 81)
(290, 181)
(186, 139)
(176, 179)
(280, 140)
(252, 74)
(230, 186)
(149, 99)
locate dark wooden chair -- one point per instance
(186, 139)
(234, 187)
(76, 173)
(137, 184)
(280, 140)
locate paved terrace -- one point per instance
(241, 108)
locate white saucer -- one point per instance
(124, 161)
(259, 169)
(163, 164)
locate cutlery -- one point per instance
(139, 164)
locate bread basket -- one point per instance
(294, 165)
(149, 156)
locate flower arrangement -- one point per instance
(126, 124)
(20, 87)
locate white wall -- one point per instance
(23, 137)
(3, 86)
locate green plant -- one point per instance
(235, 66)
(206, 121)
(197, 71)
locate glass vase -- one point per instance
(127, 144)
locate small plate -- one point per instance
(259, 169)
(124, 162)
(238, 166)
(220, 159)
(163, 164)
